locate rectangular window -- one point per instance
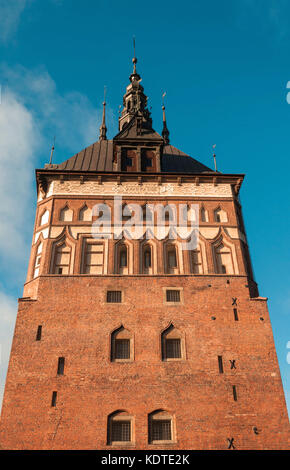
(53, 399)
(114, 296)
(172, 348)
(38, 334)
(236, 314)
(172, 295)
(121, 431)
(221, 367)
(128, 159)
(161, 430)
(122, 349)
(60, 367)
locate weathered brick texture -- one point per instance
(192, 389)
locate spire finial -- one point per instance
(134, 76)
(165, 131)
(52, 150)
(214, 157)
(134, 60)
(103, 129)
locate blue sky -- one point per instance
(225, 67)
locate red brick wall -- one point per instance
(77, 323)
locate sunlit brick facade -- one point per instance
(140, 344)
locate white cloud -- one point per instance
(19, 141)
(69, 116)
(271, 17)
(8, 310)
(10, 16)
(10, 13)
(32, 111)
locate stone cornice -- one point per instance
(180, 178)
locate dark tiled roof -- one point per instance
(175, 161)
(96, 157)
(99, 157)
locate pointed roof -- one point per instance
(138, 129)
(99, 157)
(135, 124)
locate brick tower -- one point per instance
(138, 343)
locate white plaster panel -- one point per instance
(93, 188)
(209, 232)
(44, 234)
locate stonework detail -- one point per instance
(92, 188)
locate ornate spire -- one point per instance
(103, 129)
(134, 100)
(165, 131)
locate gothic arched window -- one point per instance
(66, 214)
(121, 345)
(196, 260)
(62, 256)
(120, 428)
(171, 263)
(160, 427)
(203, 215)
(220, 215)
(172, 344)
(85, 214)
(224, 260)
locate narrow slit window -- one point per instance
(39, 333)
(235, 393)
(236, 314)
(123, 258)
(147, 258)
(60, 367)
(172, 262)
(53, 398)
(220, 362)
